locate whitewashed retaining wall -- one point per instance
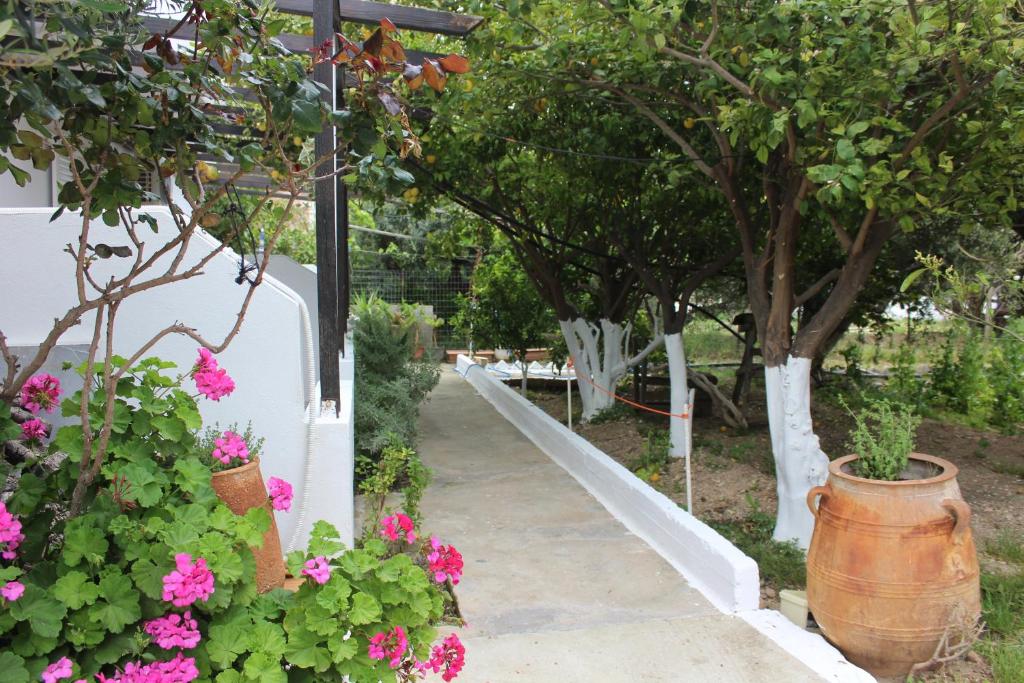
(267, 360)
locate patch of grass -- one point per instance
(1006, 657)
(613, 413)
(655, 456)
(1002, 604)
(781, 565)
(1007, 546)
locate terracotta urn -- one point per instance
(892, 567)
(242, 489)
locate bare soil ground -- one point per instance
(733, 475)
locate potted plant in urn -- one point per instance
(892, 572)
(236, 477)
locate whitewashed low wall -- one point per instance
(710, 563)
(269, 360)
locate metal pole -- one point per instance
(568, 386)
(689, 449)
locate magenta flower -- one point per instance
(40, 393)
(280, 494)
(394, 526)
(445, 562)
(318, 569)
(57, 671)
(10, 533)
(12, 590)
(189, 582)
(389, 645)
(33, 430)
(181, 669)
(174, 631)
(229, 447)
(212, 381)
(448, 658)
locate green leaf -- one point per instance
(365, 609)
(342, 650)
(114, 648)
(857, 127)
(845, 149)
(12, 669)
(909, 281)
(225, 644)
(261, 666)
(44, 614)
(170, 428)
(267, 638)
(120, 604)
(75, 590)
(334, 594)
(306, 115)
(305, 650)
(82, 540)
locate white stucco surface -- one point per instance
(268, 360)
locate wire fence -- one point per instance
(431, 288)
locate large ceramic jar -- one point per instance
(892, 564)
(241, 489)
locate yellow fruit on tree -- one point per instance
(689, 122)
(431, 158)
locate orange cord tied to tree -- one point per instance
(683, 415)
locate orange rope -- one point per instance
(683, 415)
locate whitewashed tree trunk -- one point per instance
(601, 356)
(800, 463)
(678, 393)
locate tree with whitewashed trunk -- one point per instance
(855, 120)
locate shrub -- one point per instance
(883, 437)
(390, 385)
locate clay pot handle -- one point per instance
(823, 491)
(961, 512)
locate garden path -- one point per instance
(555, 589)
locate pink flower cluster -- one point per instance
(448, 658)
(389, 645)
(394, 526)
(212, 381)
(10, 534)
(40, 393)
(181, 669)
(445, 562)
(12, 590)
(174, 631)
(33, 430)
(231, 446)
(188, 582)
(57, 671)
(318, 569)
(280, 494)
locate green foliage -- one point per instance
(390, 385)
(1007, 546)
(655, 455)
(613, 413)
(854, 371)
(94, 579)
(882, 437)
(503, 309)
(397, 468)
(904, 385)
(780, 565)
(1002, 603)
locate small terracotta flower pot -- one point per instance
(242, 489)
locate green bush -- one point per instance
(883, 437)
(390, 385)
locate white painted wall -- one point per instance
(267, 360)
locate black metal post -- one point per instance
(326, 238)
(341, 211)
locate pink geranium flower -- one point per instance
(57, 671)
(188, 582)
(389, 645)
(229, 447)
(10, 534)
(12, 590)
(445, 562)
(181, 669)
(448, 658)
(318, 569)
(40, 393)
(33, 430)
(280, 494)
(212, 381)
(174, 631)
(395, 526)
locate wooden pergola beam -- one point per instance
(412, 18)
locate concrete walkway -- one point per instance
(555, 590)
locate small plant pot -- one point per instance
(794, 606)
(242, 489)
